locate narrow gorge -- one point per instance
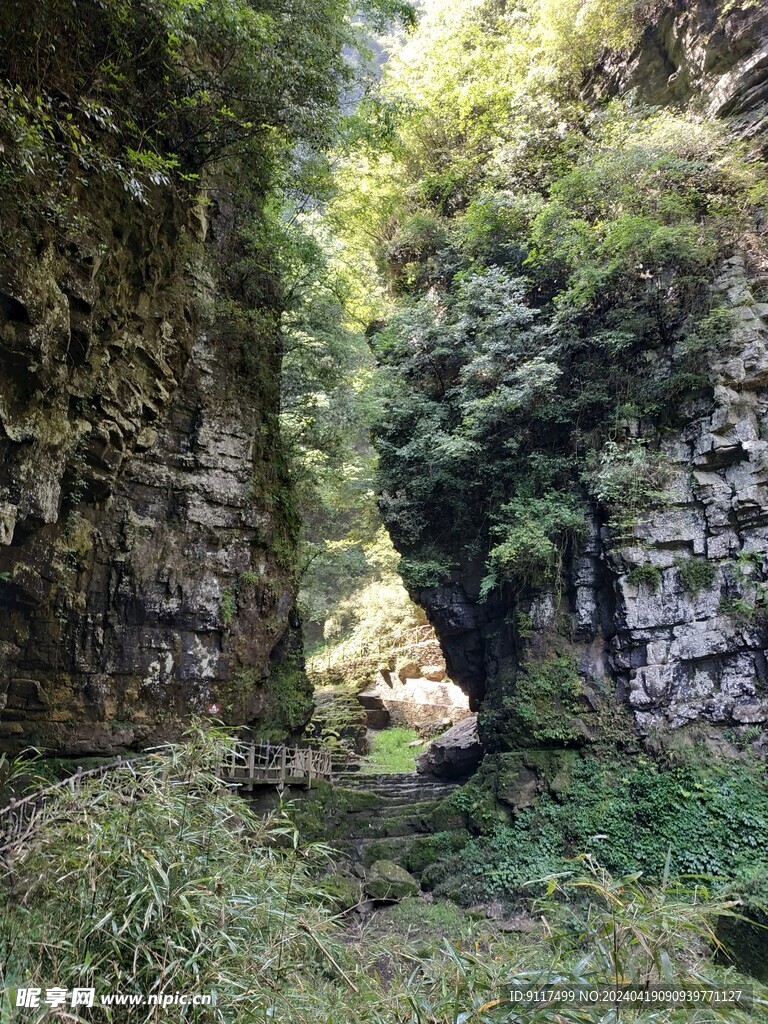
(386, 382)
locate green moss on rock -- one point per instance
(386, 880)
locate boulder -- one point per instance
(433, 727)
(342, 891)
(454, 754)
(435, 673)
(409, 671)
(386, 880)
(376, 714)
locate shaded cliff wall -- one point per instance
(147, 533)
(667, 622)
(147, 538)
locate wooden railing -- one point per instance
(248, 765)
(253, 764)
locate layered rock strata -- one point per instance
(145, 522)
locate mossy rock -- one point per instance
(394, 848)
(386, 880)
(479, 809)
(342, 891)
(428, 850)
(332, 810)
(446, 817)
(518, 778)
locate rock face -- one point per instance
(147, 539)
(702, 52)
(386, 880)
(677, 615)
(455, 754)
(672, 621)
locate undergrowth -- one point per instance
(158, 878)
(639, 816)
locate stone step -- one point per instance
(387, 787)
(388, 830)
(400, 806)
(387, 776)
(397, 787)
(410, 798)
(392, 782)
(397, 809)
(431, 792)
(364, 849)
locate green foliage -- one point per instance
(628, 480)
(478, 808)
(574, 33)
(547, 700)
(696, 574)
(745, 595)
(533, 539)
(227, 606)
(645, 575)
(376, 625)
(143, 862)
(339, 720)
(162, 858)
(690, 819)
(213, 79)
(288, 702)
(747, 610)
(549, 271)
(422, 573)
(640, 934)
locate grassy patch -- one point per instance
(645, 575)
(696, 574)
(390, 751)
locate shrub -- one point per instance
(688, 820)
(646, 575)
(533, 534)
(155, 858)
(696, 574)
(628, 479)
(546, 701)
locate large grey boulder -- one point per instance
(454, 754)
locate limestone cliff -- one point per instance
(666, 626)
(147, 550)
(147, 532)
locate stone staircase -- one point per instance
(399, 815)
(398, 786)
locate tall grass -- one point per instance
(159, 880)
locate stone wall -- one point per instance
(147, 538)
(413, 700)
